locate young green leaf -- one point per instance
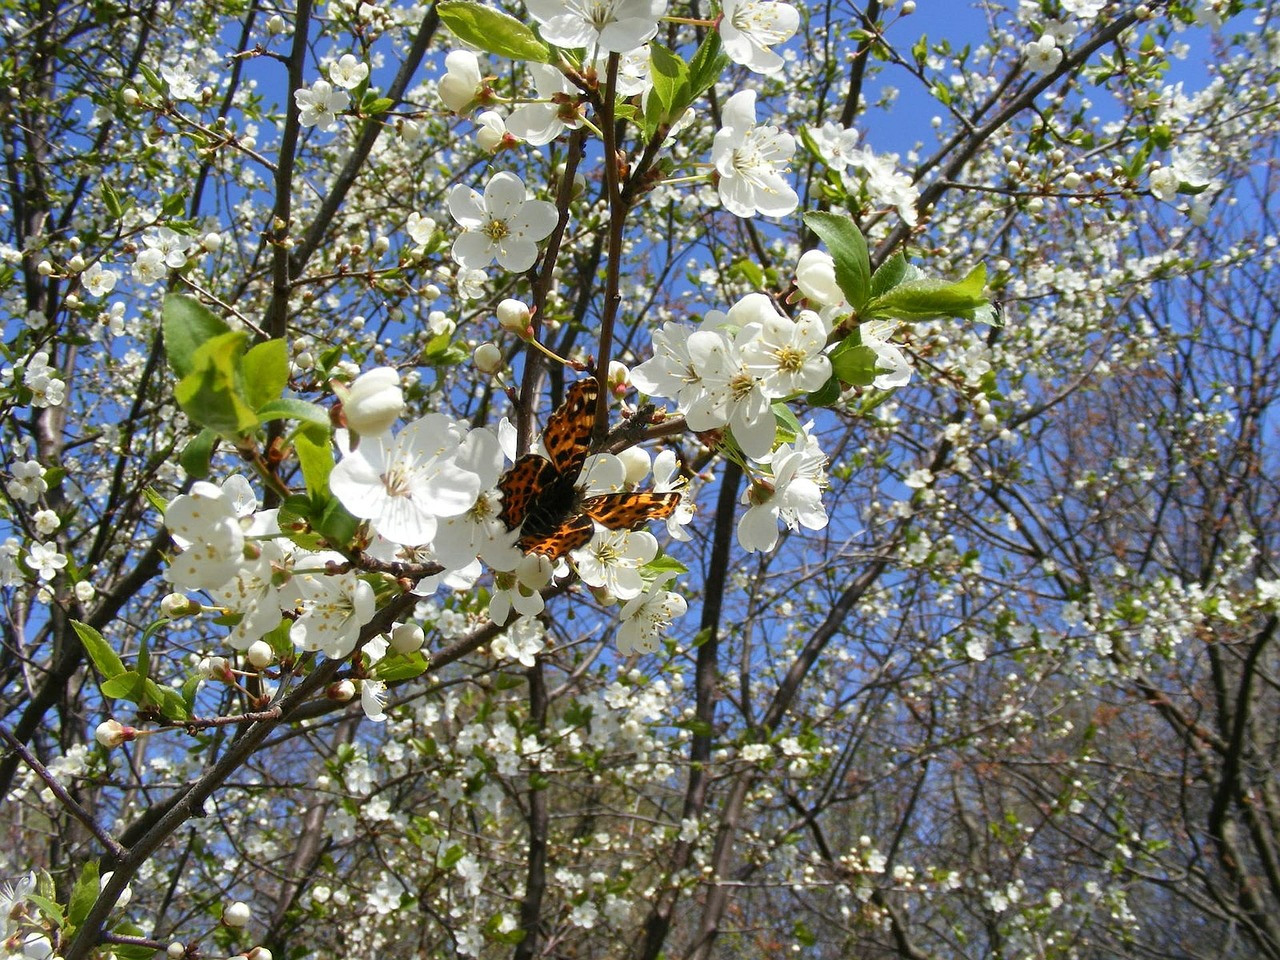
(265, 371)
(95, 645)
(928, 298)
(83, 894)
(492, 31)
(290, 408)
(197, 455)
(188, 324)
(211, 395)
(848, 249)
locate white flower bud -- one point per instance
(816, 278)
(85, 591)
(407, 638)
(130, 96)
(125, 895)
(237, 914)
(380, 246)
(514, 316)
(636, 463)
(488, 358)
(276, 25)
(260, 654)
(342, 691)
(175, 605)
(259, 953)
(112, 733)
(211, 242)
(305, 360)
(176, 950)
(909, 8)
(431, 293)
(213, 668)
(44, 268)
(76, 264)
(373, 402)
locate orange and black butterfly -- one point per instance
(541, 496)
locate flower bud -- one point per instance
(260, 654)
(514, 317)
(85, 591)
(636, 463)
(176, 950)
(44, 268)
(211, 242)
(816, 278)
(214, 668)
(342, 691)
(259, 953)
(619, 378)
(488, 358)
(236, 915)
(130, 96)
(431, 293)
(76, 264)
(276, 26)
(407, 638)
(112, 733)
(373, 402)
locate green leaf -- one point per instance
(112, 201)
(665, 563)
(49, 907)
(888, 275)
(153, 80)
(127, 686)
(335, 524)
(670, 77)
(189, 689)
(265, 372)
(312, 446)
(826, 395)
(188, 324)
(707, 65)
(928, 298)
(290, 408)
(848, 248)
(699, 728)
(83, 894)
(787, 421)
(376, 105)
(451, 857)
(211, 394)
(853, 363)
(399, 666)
(197, 455)
(748, 270)
(492, 31)
(131, 951)
(95, 645)
(174, 205)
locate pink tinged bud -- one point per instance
(407, 638)
(514, 317)
(488, 359)
(236, 915)
(816, 278)
(373, 402)
(619, 377)
(112, 733)
(215, 668)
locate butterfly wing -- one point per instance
(522, 484)
(629, 511)
(572, 532)
(567, 436)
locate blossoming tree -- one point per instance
(625, 478)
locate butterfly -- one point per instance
(542, 497)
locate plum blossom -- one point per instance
(27, 482)
(404, 484)
(45, 560)
(373, 699)
(748, 28)
(373, 401)
(461, 86)
(836, 144)
(614, 26)
(98, 281)
(349, 72)
(751, 161)
(521, 642)
(320, 105)
(502, 225)
(794, 495)
(785, 354)
(889, 358)
(206, 523)
(1042, 55)
(613, 558)
(540, 123)
(332, 608)
(646, 616)
(520, 589)
(886, 184)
